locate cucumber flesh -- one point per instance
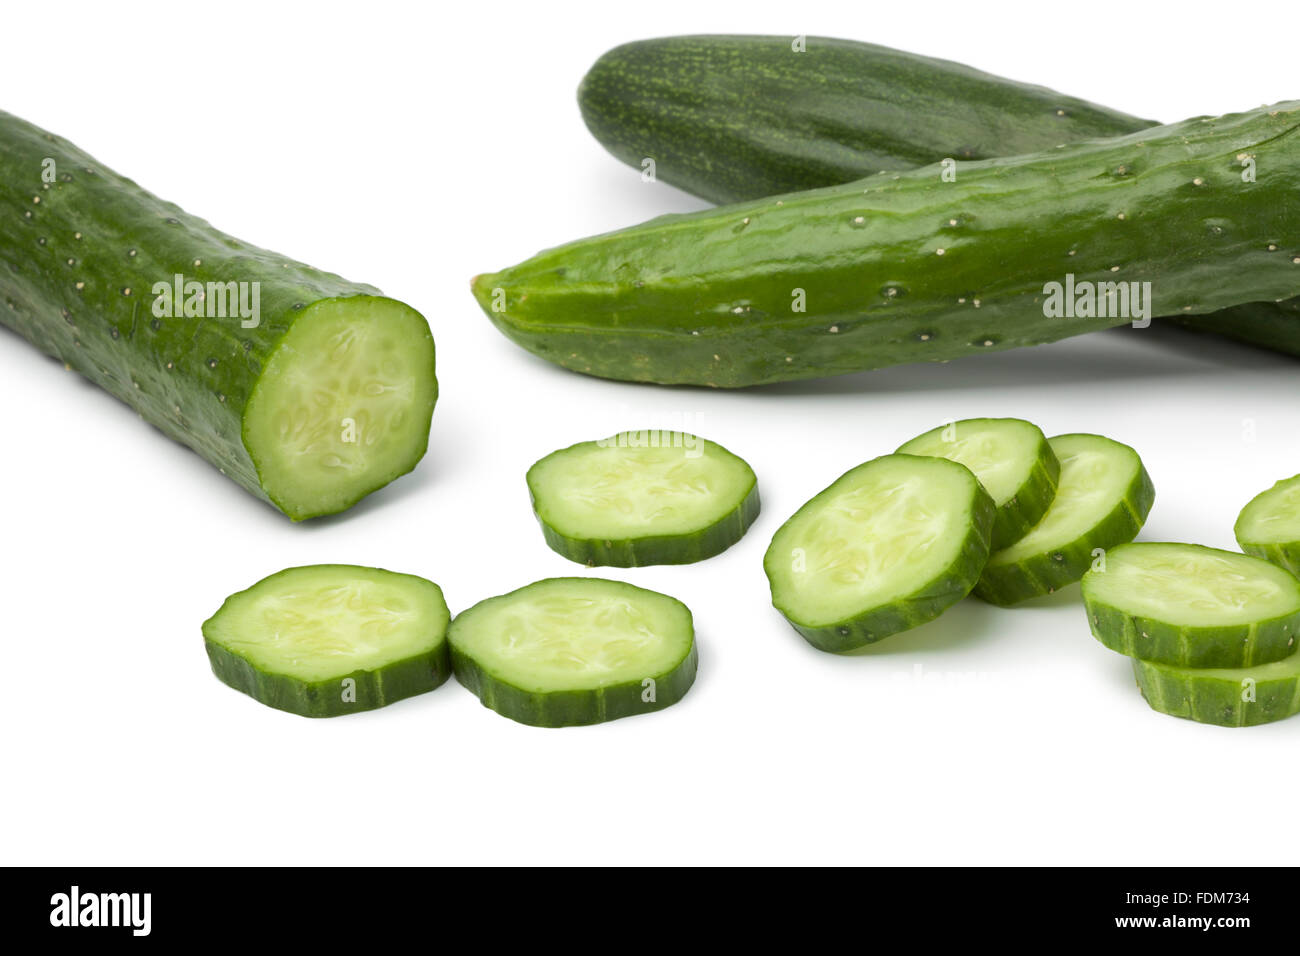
(568, 651)
(1192, 606)
(1228, 697)
(647, 497)
(1012, 460)
(1269, 525)
(1103, 497)
(331, 639)
(891, 544)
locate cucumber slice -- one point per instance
(331, 639)
(1269, 526)
(647, 497)
(1228, 697)
(1103, 497)
(569, 651)
(1192, 606)
(890, 545)
(1012, 460)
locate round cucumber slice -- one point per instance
(569, 651)
(331, 639)
(643, 497)
(1011, 458)
(1228, 697)
(1103, 497)
(1192, 606)
(890, 545)
(1269, 526)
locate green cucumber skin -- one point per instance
(1146, 639)
(1180, 692)
(1008, 584)
(374, 689)
(189, 377)
(733, 118)
(706, 298)
(661, 549)
(1015, 519)
(1283, 555)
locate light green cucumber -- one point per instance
(643, 497)
(1269, 526)
(1228, 697)
(331, 639)
(890, 545)
(1102, 499)
(1192, 606)
(1012, 460)
(570, 651)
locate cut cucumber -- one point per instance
(1192, 606)
(890, 545)
(308, 390)
(1269, 526)
(647, 497)
(331, 639)
(1228, 697)
(569, 651)
(1103, 497)
(1012, 460)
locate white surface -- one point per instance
(411, 150)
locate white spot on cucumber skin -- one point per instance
(1114, 268)
(80, 286)
(197, 263)
(939, 252)
(1120, 216)
(77, 236)
(36, 200)
(1198, 181)
(1272, 248)
(834, 328)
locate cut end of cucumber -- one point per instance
(1272, 517)
(343, 406)
(1000, 451)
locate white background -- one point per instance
(412, 149)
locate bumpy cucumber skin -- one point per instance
(76, 273)
(915, 609)
(710, 298)
(732, 118)
(1041, 574)
(1182, 692)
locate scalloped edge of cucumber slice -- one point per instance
(1280, 548)
(1225, 697)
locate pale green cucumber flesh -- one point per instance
(1269, 526)
(1192, 606)
(889, 545)
(1012, 460)
(1228, 697)
(643, 497)
(569, 651)
(331, 639)
(1103, 496)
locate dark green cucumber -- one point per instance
(643, 497)
(1192, 606)
(1103, 497)
(893, 543)
(308, 390)
(907, 267)
(1228, 697)
(1269, 526)
(1011, 458)
(735, 118)
(331, 639)
(569, 651)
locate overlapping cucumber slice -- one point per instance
(1192, 606)
(569, 651)
(890, 545)
(1269, 525)
(1011, 458)
(1103, 496)
(1228, 697)
(331, 639)
(643, 497)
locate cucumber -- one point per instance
(1269, 526)
(569, 651)
(643, 497)
(906, 267)
(309, 391)
(1012, 460)
(890, 545)
(1103, 497)
(1192, 606)
(1228, 697)
(331, 639)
